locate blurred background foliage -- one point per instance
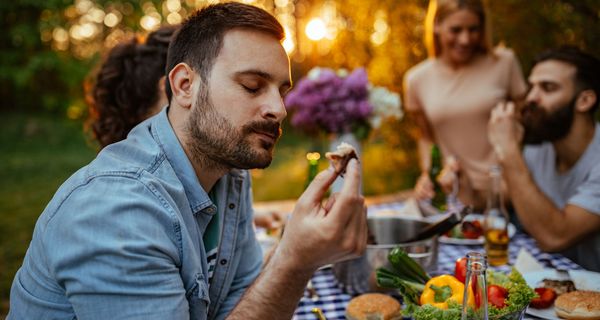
(49, 48)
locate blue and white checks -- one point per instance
(332, 299)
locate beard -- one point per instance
(541, 126)
(217, 143)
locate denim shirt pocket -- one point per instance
(198, 298)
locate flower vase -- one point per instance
(349, 138)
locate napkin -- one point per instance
(526, 262)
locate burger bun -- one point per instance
(578, 305)
(371, 306)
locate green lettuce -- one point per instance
(519, 296)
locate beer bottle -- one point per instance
(495, 223)
(439, 199)
(313, 166)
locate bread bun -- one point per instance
(578, 305)
(373, 306)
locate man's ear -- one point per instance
(181, 80)
(586, 100)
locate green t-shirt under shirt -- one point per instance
(211, 240)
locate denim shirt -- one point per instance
(122, 238)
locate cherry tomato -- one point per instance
(460, 269)
(545, 299)
(497, 296)
(472, 229)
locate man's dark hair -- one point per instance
(200, 38)
(587, 74)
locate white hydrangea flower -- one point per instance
(314, 73)
(386, 104)
(342, 72)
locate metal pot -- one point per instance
(386, 233)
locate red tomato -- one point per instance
(472, 229)
(545, 299)
(497, 295)
(460, 269)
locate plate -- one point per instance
(473, 242)
(584, 280)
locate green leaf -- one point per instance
(441, 293)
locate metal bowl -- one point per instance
(386, 233)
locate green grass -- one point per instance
(39, 152)
(36, 155)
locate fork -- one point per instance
(319, 313)
(312, 293)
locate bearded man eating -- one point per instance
(554, 184)
(159, 225)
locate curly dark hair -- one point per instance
(126, 86)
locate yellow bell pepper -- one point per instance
(441, 289)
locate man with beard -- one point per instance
(554, 184)
(159, 225)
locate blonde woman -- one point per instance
(452, 93)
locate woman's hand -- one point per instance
(448, 177)
(424, 187)
(269, 219)
(448, 180)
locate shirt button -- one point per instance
(231, 206)
(223, 262)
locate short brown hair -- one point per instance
(439, 10)
(200, 37)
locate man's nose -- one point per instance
(532, 96)
(274, 108)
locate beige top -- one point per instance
(457, 104)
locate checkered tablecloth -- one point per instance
(332, 299)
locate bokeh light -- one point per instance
(112, 19)
(315, 29)
(150, 21)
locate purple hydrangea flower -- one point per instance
(326, 101)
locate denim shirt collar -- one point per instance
(168, 142)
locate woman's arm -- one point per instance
(424, 185)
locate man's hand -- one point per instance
(315, 235)
(505, 133)
(320, 234)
